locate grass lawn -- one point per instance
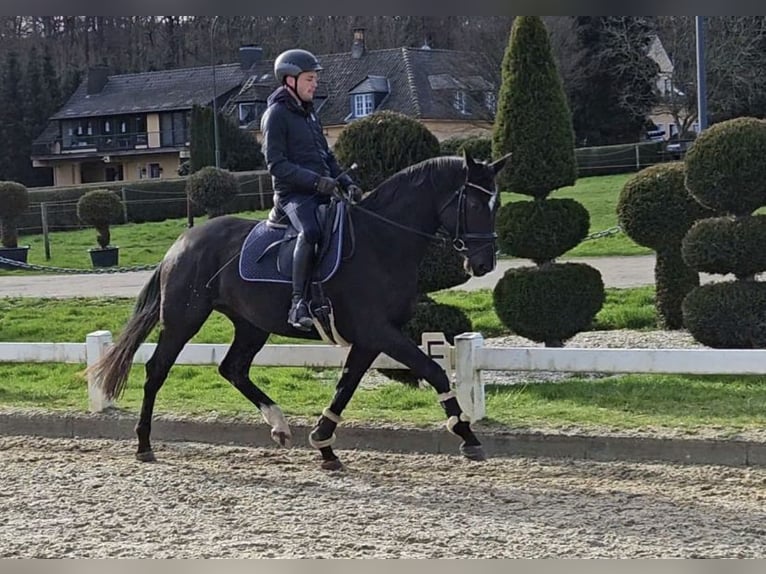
(690, 403)
(146, 243)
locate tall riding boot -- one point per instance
(303, 256)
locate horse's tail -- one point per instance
(112, 370)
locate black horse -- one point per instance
(373, 295)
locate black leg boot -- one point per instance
(303, 256)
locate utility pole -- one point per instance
(701, 84)
(215, 105)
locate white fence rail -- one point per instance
(466, 360)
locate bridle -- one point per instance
(461, 237)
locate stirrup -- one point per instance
(299, 317)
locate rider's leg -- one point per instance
(303, 256)
(302, 213)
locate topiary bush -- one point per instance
(382, 144)
(14, 200)
(100, 208)
(212, 188)
(725, 169)
(728, 315)
(541, 230)
(727, 245)
(549, 304)
(480, 147)
(533, 121)
(655, 210)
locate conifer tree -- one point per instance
(533, 121)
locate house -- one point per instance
(662, 115)
(135, 126)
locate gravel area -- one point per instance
(76, 498)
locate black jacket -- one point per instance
(295, 147)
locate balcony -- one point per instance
(101, 144)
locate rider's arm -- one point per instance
(274, 133)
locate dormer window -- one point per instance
(366, 96)
(246, 113)
(459, 102)
(363, 105)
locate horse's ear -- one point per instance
(497, 165)
(468, 158)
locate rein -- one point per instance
(458, 240)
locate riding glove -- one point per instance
(354, 192)
(325, 185)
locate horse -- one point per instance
(373, 295)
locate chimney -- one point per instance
(249, 56)
(357, 48)
(97, 78)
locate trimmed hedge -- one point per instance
(14, 200)
(480, 147)
(655, 209)
(100, 208)
(725, 169)
(727, 245)
(212, 189)
(147, 200)
(541, 230)
(549, 304)
(728, 315)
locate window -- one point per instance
(155, 170)
(490, 101)
(174, 129)
(459, 102)
(666, 92)
(246, 113)
(363, 105)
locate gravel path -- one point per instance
(90, 499)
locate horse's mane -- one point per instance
(444, 172)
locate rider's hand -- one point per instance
(354, 192)
(326, 185)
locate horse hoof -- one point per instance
(283, 439)
(473, 452)
(146, 456)
(332, 465)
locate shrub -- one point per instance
(727, 245)
(549, 304)
(480, 147)
(14, 200)
(430, 317)
(654, 208)
(728, 315)
(383, 143)
(541, 230)
(725, 169)
(212, 188)
(100, 208)
(533, 121)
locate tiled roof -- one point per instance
(421, 83)
(153, 91)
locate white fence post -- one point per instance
(96, 344)
(468, 386)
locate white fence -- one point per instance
(465, 361)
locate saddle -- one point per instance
(267, 256)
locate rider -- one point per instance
(302, 166)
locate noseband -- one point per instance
(461, 236)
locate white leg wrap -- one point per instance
(329, 415)
(453, 420)
(280, 430)
(446, 396)
(322, 443)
